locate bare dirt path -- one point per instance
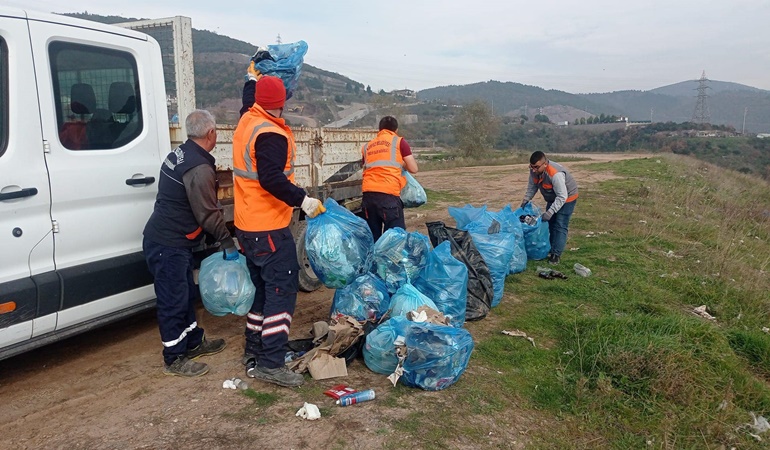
(105, 389)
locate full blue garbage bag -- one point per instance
(512, 224)
(408, 298)
(285, 62)
(399, 256)
(445, 281)
(465, 215)
(338, 245)
(412, 195)
(436, 355)
(497, 251)
(226, 286)
(537, 238)
(379, 350)
(365, 298)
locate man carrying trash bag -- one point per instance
(185, 207)
(560, 191)
(384, 159)
(265, 197)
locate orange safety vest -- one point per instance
(383, 164)
(255, 208)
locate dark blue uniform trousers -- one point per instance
(382, 212)
(272, 260)
(176, 294)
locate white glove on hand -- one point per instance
(312, 206)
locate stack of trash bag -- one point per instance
(436, 355)
(408, 298)
(412, 195)
(366, 298)
(379, 348)
(338, 245)
(504, 221)
(480, 289)
(399, 256)
(536, 236)
(444, 279)
(283, 61)
(226, 286)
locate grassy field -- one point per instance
(621, 359)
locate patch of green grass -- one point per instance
(442, 196)
(261, 399)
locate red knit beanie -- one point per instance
(270, 93)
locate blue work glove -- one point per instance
(230, 254)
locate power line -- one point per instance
(702, 113)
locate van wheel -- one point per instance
(308, 281)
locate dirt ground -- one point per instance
(105, 389)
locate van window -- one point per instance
(97, 96)
(3, 96)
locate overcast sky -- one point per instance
(577, 46)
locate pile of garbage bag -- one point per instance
(408, 298)
(497, 251)
(505, 221)
(226, 286)
(338, 245)
(379, 348)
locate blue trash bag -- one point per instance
(408, 298)
(399, 256)
(465, 215)
(445, 281)
(436, 355)
(286, 63)
(537, 238)
(379, 351)
(226, 286)
(338, 245)
(512, 224)
(365, 298)
(413, 195)
(497, 251)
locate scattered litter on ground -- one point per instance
(549, 274)
(338, 391)
(672, 275)
(701, 311)
(235, 383)
(517, 333)
(722, 406)
(759, 426)
(605, 282)
(582, 270)
(671, 254)
(766, 329)
(356, 397)
(642, 221)
(309, 412)
(574, 249)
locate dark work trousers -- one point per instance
(382, 212)
(176, 294)
(272, 260)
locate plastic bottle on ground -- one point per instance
(356, 397)
(582, 270)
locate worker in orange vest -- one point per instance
(384, 159)
(265, 197)
(560, 191)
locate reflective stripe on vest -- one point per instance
(384, 163)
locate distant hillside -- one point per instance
(220, 64)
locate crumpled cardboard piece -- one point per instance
(331, 339)
(325, 366)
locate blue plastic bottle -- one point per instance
(356, 397)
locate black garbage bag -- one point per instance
(480, 290)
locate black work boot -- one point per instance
(281, 376)
(185, 367)
(207, 347)
(554, 259)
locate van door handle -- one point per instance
(25, 192)
(135, 181)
